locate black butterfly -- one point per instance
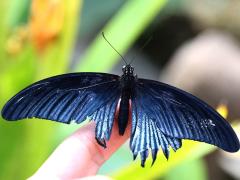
(161, 115)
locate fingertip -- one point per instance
(80, 155)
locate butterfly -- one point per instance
(161, 115)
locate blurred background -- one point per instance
(194, 46)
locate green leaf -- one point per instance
(193, 169)
(189, 151)
(18, 12)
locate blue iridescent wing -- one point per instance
(69, 98)
(169, 115)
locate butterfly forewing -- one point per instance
(181, 115)
(64, 98)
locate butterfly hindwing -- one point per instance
(146, 135)
(64, 98)
(104, 118)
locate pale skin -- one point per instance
(80, 155)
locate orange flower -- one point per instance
(46, 21)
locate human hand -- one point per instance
(80, 155)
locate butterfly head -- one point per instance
(128, 70)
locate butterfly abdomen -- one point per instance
(127, 85)
(123, 113)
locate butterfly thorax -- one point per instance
(127, 89)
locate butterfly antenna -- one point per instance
(114, 48)
(144, 45)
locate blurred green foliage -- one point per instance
(24, 145)
(126, 25)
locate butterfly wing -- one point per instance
(169, 115)
(69, 97)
